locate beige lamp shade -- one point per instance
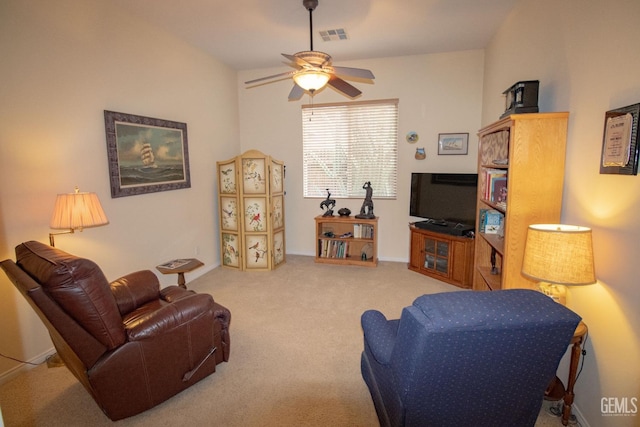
(311, 80)
(76, 211)
(559, 254)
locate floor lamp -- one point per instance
(76, 211)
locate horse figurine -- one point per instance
(329, 204)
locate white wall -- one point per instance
(439, 93)
(64, 62)
(586, 56)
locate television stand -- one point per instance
(445, 227)
(442, 255)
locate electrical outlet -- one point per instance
(196, 250)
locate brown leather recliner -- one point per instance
(131, 344)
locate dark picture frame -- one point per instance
(620, 147)
(453, 144)
(146, 155)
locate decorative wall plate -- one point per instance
(412, 137)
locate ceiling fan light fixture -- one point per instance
(311, 80)
(314, 70)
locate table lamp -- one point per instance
(557, 255)
(76, 211)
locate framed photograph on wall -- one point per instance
(453, 143)
(146, 155)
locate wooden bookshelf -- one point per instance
(347, 240)
(533, 146)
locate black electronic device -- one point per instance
(446, 227)
(522, 97)
(447, 202)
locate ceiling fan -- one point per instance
(313, 69)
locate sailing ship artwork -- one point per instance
(148, 155)
(145, 154)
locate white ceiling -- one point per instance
(248, 34)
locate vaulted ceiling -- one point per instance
(248, 34)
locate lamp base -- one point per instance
(558, 293)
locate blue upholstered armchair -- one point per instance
(465, 358)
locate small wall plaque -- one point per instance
(620, 141)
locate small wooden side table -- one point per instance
(556, 390)
(180, 266)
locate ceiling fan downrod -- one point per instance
(310, 5)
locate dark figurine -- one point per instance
(344, 212)
(329, 204)
(366, 211)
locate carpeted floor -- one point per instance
(295, 354)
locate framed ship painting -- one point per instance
(146, 155)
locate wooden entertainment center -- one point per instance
(442, 256)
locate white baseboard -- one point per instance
(22, 367)
(575, 410)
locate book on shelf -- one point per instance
(499, 190)
(363, 231)
(493, 222)
(495, 177)
(333, 248)
(490, 221)
(482, 220)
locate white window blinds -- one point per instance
(346, 145)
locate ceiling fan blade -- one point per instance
(296, 93)
(298, 61)
(286, 74)
(344, 87)
(354, 72)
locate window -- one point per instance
(346, 145)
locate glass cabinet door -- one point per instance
(436, 255)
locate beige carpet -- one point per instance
(295, 354)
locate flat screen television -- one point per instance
(445, 198)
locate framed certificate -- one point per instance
(620, 141)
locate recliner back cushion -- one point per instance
(469, 347)
(78, 286)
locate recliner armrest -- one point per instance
(379, 334)
(156, 318)
(134, 290)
